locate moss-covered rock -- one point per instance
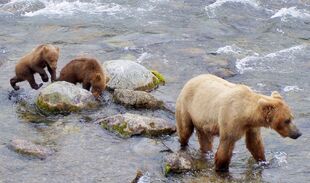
(63, 97)
(127, 125)
(28, 148)
(137, 99)
(126, 74)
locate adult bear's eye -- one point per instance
(288, 121)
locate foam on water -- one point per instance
(279, 159)
(143, 56)
(72, 7)
(212, 7)
(284, 13)
(291, 88)
(256, 62)
(235, 50)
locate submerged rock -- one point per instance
(126, 74)
(178, 162)
(137, 99)
(141, 178)
(183, 161)
(28, 148)
(127, 125)
(63, 97)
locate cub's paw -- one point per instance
(38, 86)
(44, 78)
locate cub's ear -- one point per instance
(45, 49)
(276, 94)
(57, 48)
(266, 105)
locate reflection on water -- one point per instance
(266, 43)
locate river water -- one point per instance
(264, 43)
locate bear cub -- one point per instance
(45, 55)
(86, 71)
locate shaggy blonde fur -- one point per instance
(214, 106)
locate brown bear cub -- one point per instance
(86, 71)
(35, 62)
(216, 107)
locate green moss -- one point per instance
(167, 169)
(159, 76)
(157, 133)
(119, 129)
(157, 80)
(58, 109)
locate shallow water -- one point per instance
(265, 42)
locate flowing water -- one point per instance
(266, 43)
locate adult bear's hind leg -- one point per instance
(205, 141)
(185, 126)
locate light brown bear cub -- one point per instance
(214, 107)
(35, 62)
(86, 71)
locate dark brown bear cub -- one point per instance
(35, 62)
(86, 71)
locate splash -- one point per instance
(210, 9)
(260, 63)
(284, 13)
(291, 88)
(75, 7)
(235, 50)
(31, 8)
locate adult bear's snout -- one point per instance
(296, 135)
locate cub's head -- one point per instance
(50, 54)
(98, 84)
(278, 116)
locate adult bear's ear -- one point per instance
(57, 48)
(266, 107)
(276, 94)
(265, 104)
(97, 77)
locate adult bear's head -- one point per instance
(278, 115)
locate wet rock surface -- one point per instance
(137, 99)
(183, 161)
(63, 97)
(126, 74)
(127, 125)
(30, 149)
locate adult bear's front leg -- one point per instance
(255, 145)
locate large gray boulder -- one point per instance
(126, 74)
(28, 148)
(63, 97)
(137, 99)
(127, 125)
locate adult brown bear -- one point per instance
(34, 62)
(86, 71)
(214, 106)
